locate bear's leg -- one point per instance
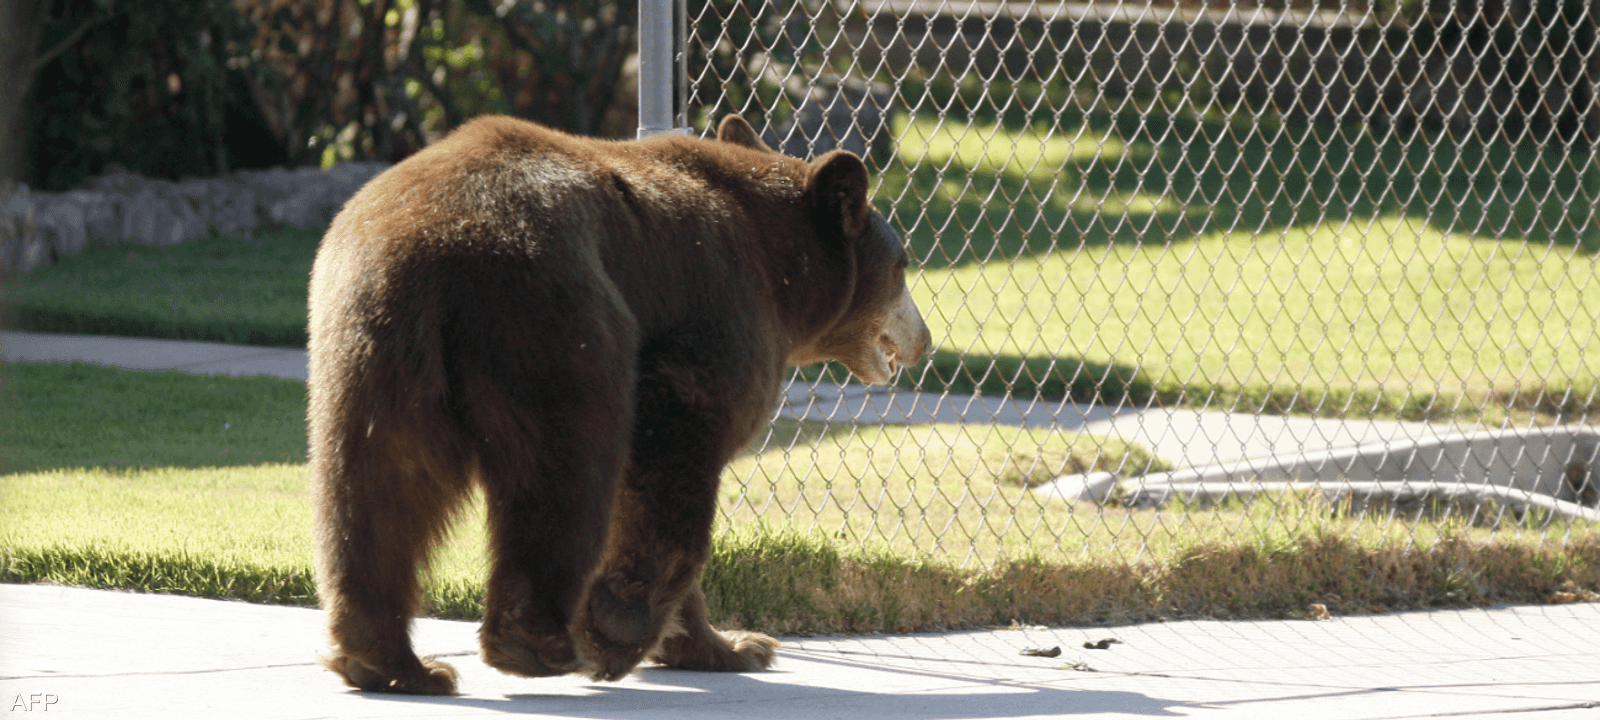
(702, 647)
(647, 588)
(372, 540)
(545, 551)
(550, 474)
(650, 564)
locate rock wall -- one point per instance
(37, 229)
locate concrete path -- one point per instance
(70, 652)
(74, 653)
(201, 358)
(1186, 438)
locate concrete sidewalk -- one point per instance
(101, 654)
(201, 358)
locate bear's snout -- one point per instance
(905, 337)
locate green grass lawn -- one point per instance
(1120, 258)
(950, 493)
(1303, 268)
(220, 289)
(84, 415)
(823, 528)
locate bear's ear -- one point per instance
(837, 189)
(735, 130)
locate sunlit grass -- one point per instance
(1079, 250)
(1103, 258)
(1121, 258)
(823, 528)
(252, 516)
(1035, 154)
(959, 493)
(962, 495)
(1389, 304)
(243, 532)
(93, 416)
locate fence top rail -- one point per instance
(1125, 12)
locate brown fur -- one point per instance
(589, 331)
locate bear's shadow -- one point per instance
(683, 692)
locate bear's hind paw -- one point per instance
(427, 677)
(755, 650)
(714, 651)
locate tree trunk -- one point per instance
(20, 23)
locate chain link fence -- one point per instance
(1193, 269)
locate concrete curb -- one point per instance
(1519, 467)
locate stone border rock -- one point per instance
(38, 229)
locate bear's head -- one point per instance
(880, 330)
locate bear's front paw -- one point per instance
(616, 630)
(427, 677)
(609, 661)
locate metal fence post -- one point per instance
(661, 55)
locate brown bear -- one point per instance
(588, 331)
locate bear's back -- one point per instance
(673, 225)
(508, 186)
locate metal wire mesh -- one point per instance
(1193, 269)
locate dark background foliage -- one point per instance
(174, 88)
(144, 84)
